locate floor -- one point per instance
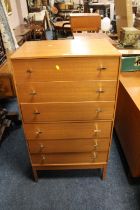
(61, 190)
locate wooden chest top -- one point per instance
(65, 48)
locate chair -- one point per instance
(39, 27)
(66, 30)
(85, 22)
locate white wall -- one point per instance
(24, 9)
(14, 17)
(19, 11)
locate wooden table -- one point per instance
(60, 24)
(127, 122)
(61, 27)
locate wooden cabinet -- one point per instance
(6, 80)
(127, 119)
(67, 94)
(7, 88)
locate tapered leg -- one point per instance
(104, 171)
(35, 175)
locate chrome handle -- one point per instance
(43, 158)
(57, 67)
(29, 71)
(96, 130)
(95, 144)
(41, 146)
(36, 112)
(38, 132)
(98, 110)
(101, 68)
(33, 93)
(94, 156)
(100, 90)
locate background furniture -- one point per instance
(23, 33)
(85, 22)
(6, 79)
(104, 8)
(137, 20)
(4, 122)
(68, 101)
(2, 51)
(65, 9)
(127, 119)
(61, 27)
(6, 82)
(93, 36)
(34, 6)
(124, 17)
(7, 90)
(38, 24)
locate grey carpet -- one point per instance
(61, 190)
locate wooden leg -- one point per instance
(35, 175)
(104, 171)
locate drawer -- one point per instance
(68, 130)
(65, 69)
(50, 112)
(65, 146)
(91, 157)
(67, 91)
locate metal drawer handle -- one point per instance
(94, 156)
(101, 68)
(36, 112)
(43, 158)
(57, 67)
(100, 90)
(41, 146)
(97, 131)
(33, 93)
(96, 143)
(29, 71)
(98, 110)
(38, 132)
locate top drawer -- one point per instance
(65, 69)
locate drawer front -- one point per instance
(68, 130)
(65, 69)
(91, 157)
(67, 91)
(50, 112)
(68, 146)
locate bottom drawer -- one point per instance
(71, 158)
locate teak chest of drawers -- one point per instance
(67, 96)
